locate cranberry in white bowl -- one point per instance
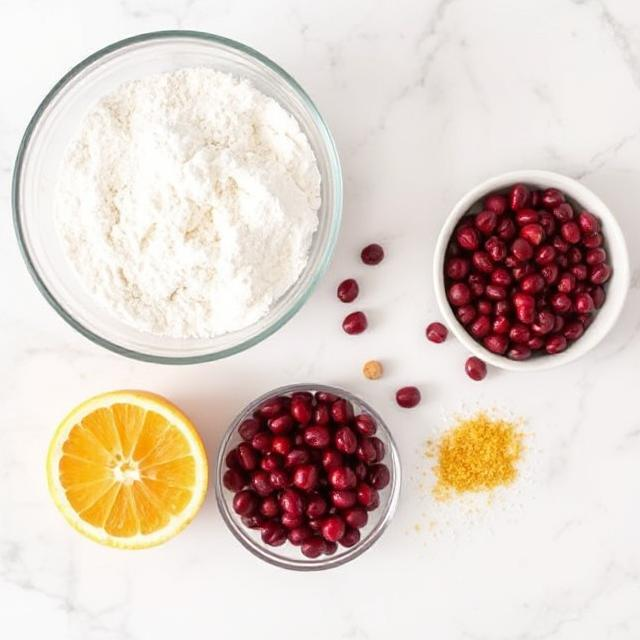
(531, 270)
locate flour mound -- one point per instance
(187, 203)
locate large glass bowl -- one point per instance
(56, 121)
(287, 555)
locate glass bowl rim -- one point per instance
(325, 134)
(324, 562)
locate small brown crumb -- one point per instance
(372, 370)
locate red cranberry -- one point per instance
(271, 461)
(307, 396)
(350, 538)
(459, 294)
(345, 440)
(570, 232)
(367, 496)
(313, 547)
(378, 445)
(468, 238)
(588, 222)
(573, 330)
(519, 352)
(503, 307)
(599, 296)
(533, 283)
(545, 321)
(341, 411)
(234, 480)
(269, 507)
(521, 250)
(457, 268)
(519, 197)
(365, 425)
(305, 477)
(495, 292)
(563, 212)
(326, 396)
(379, 477)
(366, 451)
(550, 273)
(272, 407)
(296, 457)
(545, 255)
(262, 442)
(551, 198)
(316, 506)
(279, 479)
(247, 456)
(501, 325)
(355, 323)
(526, 216)
(255, 521)
(600, 273)
(561, 302)
(496, 343)
(480, 327)
(342, 477)
(281, 445)
(298, 535)
(574, 255)
(273, 534)
(476, 369)
(548, 223)
(525, 305)
(501, 276)
(523, 270)
(260, 483)
(331, 458)
(595, 256)
(579, 271)
(408, 397)
(290, 521)
(333, 528)
(593, 240)
(485, 307)
(321, 414)
(348, 290)
(560, 244)
(291, 502)
(281, 424)
(317, 436)
(372, 254)
(496, 249)
(343, 498)
(249, 428)
(301, 410)
(566, 283)
(245, 502)
(555, 344)
(562, 261)
(519, 334)
(496, 202)
(506, 229)
(485, 222)
(231, 460)
(482, 262)
(356, 517)
(477, 283)
(583, 303)
(535, 343)
(466, 313)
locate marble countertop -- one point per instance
(425, 99)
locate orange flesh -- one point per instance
(127, 470)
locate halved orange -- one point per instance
(127, 469)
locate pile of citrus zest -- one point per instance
(127, 469)
(479, 453)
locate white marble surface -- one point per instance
(425, 99)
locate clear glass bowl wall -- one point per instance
(56, 121)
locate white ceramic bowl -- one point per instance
(616, 288)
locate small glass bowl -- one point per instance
(42, 150)
(287, 555)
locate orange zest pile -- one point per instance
(479, 453)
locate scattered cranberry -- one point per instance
(475, 368)
(307, 470)
(348, 290)
(408, 397)
(355, 323)
(525, 271)
(437, 332)
(372, 254)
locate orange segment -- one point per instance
(127, 469)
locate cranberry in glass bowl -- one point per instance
(520, 246)
(325, 489)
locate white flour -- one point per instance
(187, 203)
